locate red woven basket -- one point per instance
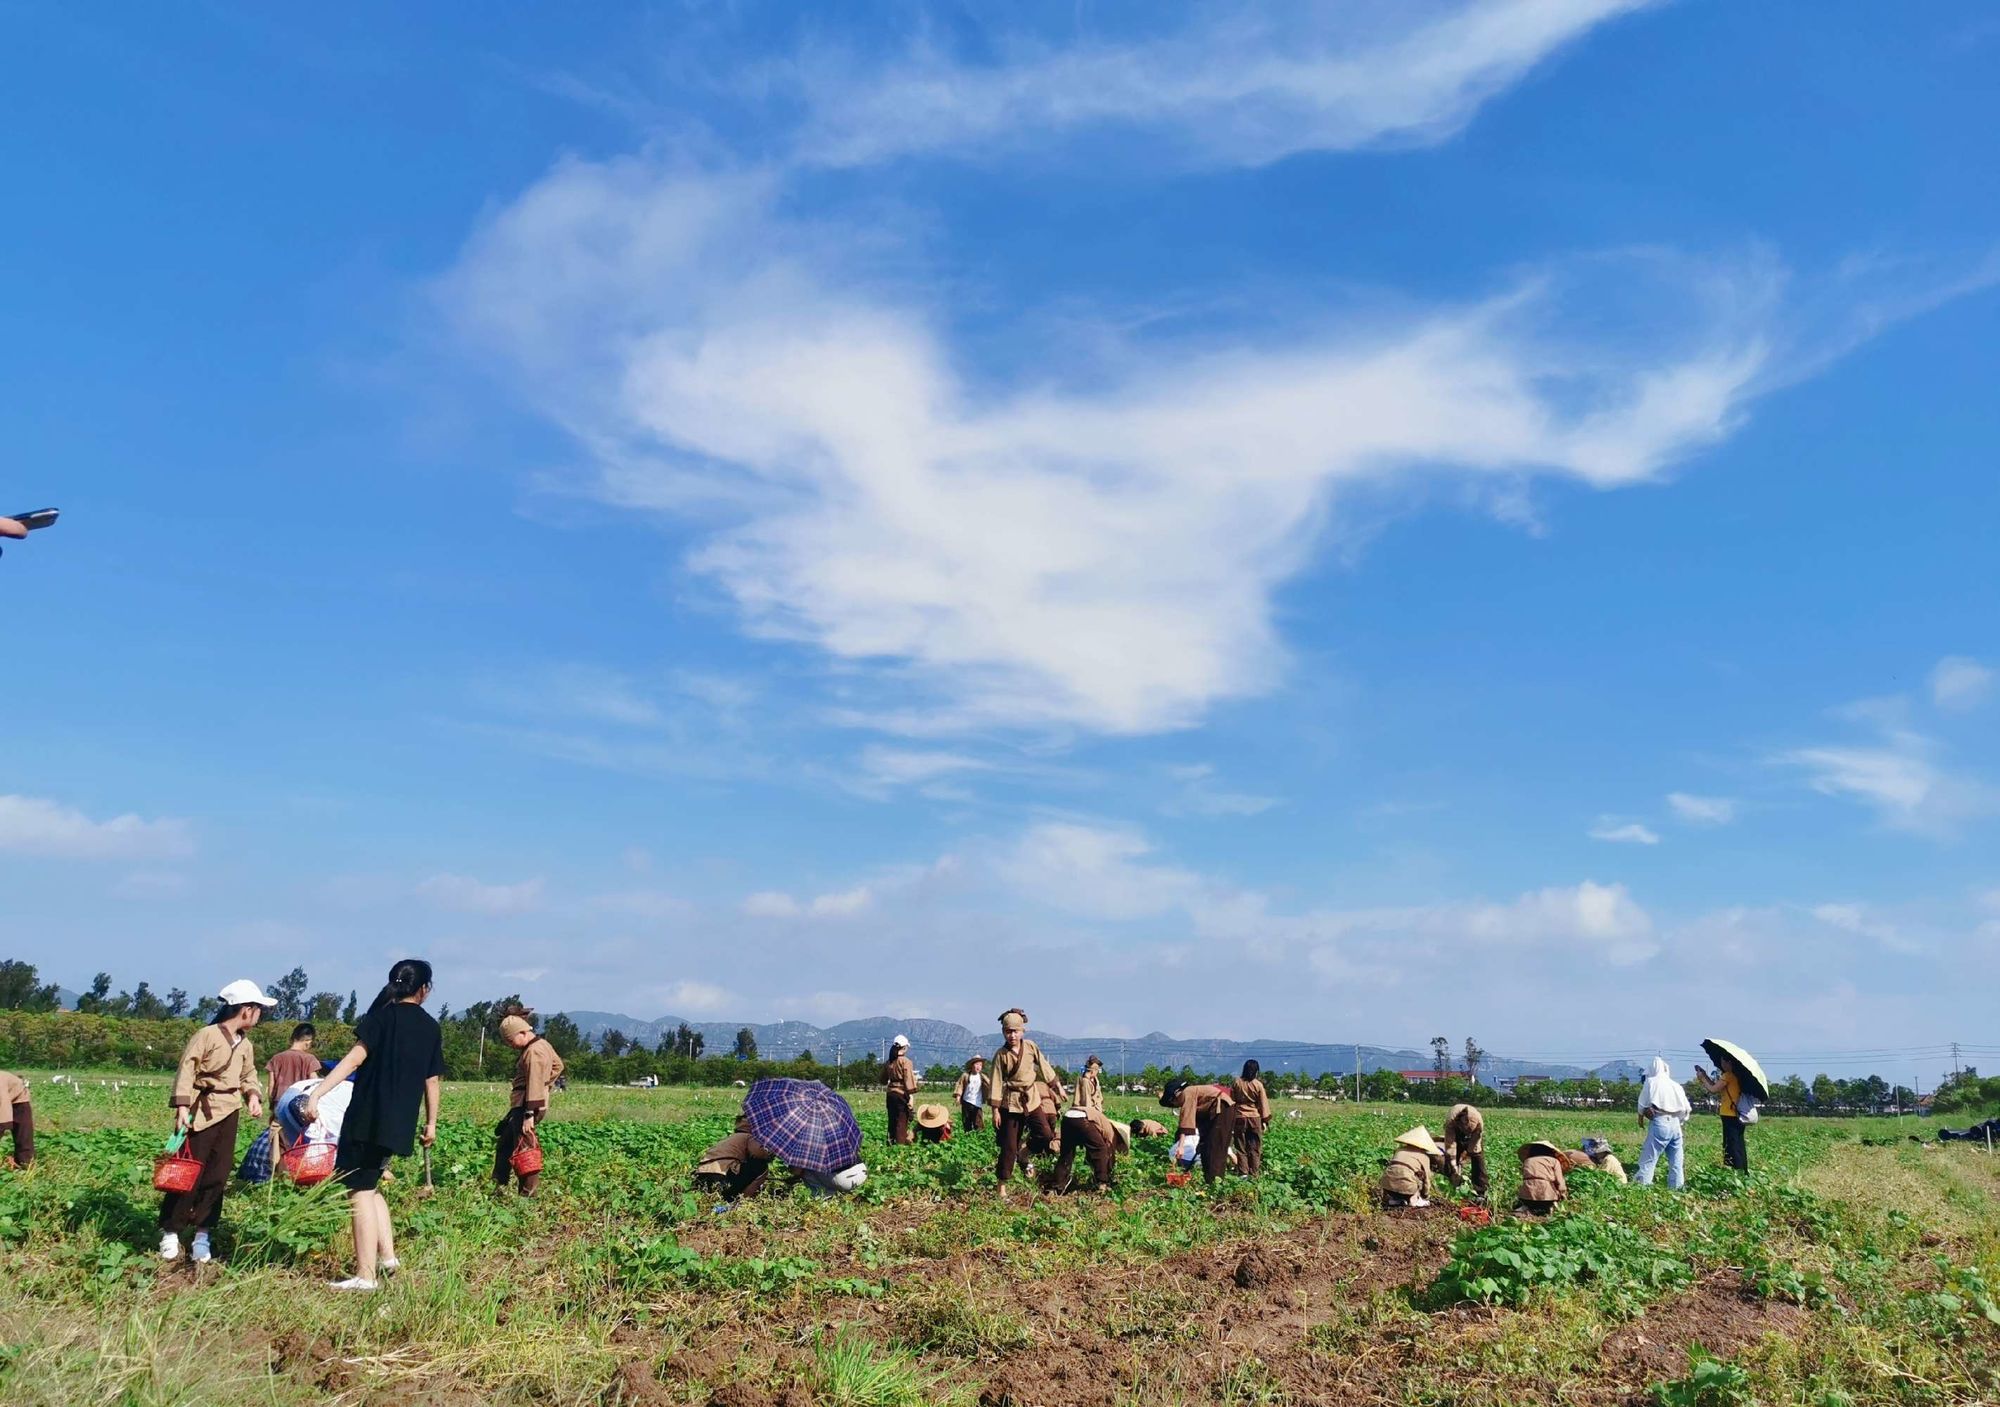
(527, 1159)
(307, 1164)
(174, 1170)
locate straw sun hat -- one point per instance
(1420, 1139)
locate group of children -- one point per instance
(1419, 1159)
(365, 1105)
(1035, 1116)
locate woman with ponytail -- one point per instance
(399, 1054)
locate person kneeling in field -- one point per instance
(735, 1167)
(536, 1069)
(1406, 1182)
(740, 1165)
(1598, 1150)
(1149, 1128)
(1544, 1181)
(933, 1123)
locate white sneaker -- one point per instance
(200, 1253)
(170, 1246)
(1420, 1201)
(386, 1268)
(354, 1283)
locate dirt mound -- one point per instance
(1257, 1267)
(1719, 1313)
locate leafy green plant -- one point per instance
(1710, 1382)
(1510, 1262)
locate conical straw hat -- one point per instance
(1419, 1138)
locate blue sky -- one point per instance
(1338, 524)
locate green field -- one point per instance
(1854, 1266)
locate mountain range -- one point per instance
(947, 1043)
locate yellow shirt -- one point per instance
(1731, 1088)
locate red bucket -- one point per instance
(308, 1164)
(174, 1170)
(527, 1159)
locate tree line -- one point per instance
(139, 1029)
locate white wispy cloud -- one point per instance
(1243, 84)
(1113, 873)
(1702, 810)
(882, 770)
(1861, 921)
(844, 903)
(1623, 832)
(1100, 551)
(693, 998)
(1097, 871)
(1201, 794)
(463, 894)
(1901, 777)
(1958, 683)
(33, 825)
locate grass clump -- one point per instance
(848, 1371)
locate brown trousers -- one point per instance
(1216, 1131)
(747, 1181)
(1476, 1163)
(971, 1116)
(507, 1137)
(1037, 1129)
(1099, 1149)
(202, 1207)
(1249, 1147)
(24, 1134)
(899, 1117)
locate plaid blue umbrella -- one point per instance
(804, 1123)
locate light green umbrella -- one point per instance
(1747, 1068)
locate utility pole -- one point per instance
(1357, 1073)
(836, 1064)
(1954, 1060)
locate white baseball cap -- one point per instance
(849, 1178)
(900, 1040)
(243, 991)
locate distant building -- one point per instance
(1418, 1077)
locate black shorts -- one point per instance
(359, 1166)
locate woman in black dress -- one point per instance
(399, 1052)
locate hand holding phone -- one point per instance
(21, 524)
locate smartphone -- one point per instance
(40, 518)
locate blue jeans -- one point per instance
(1663, 1135)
